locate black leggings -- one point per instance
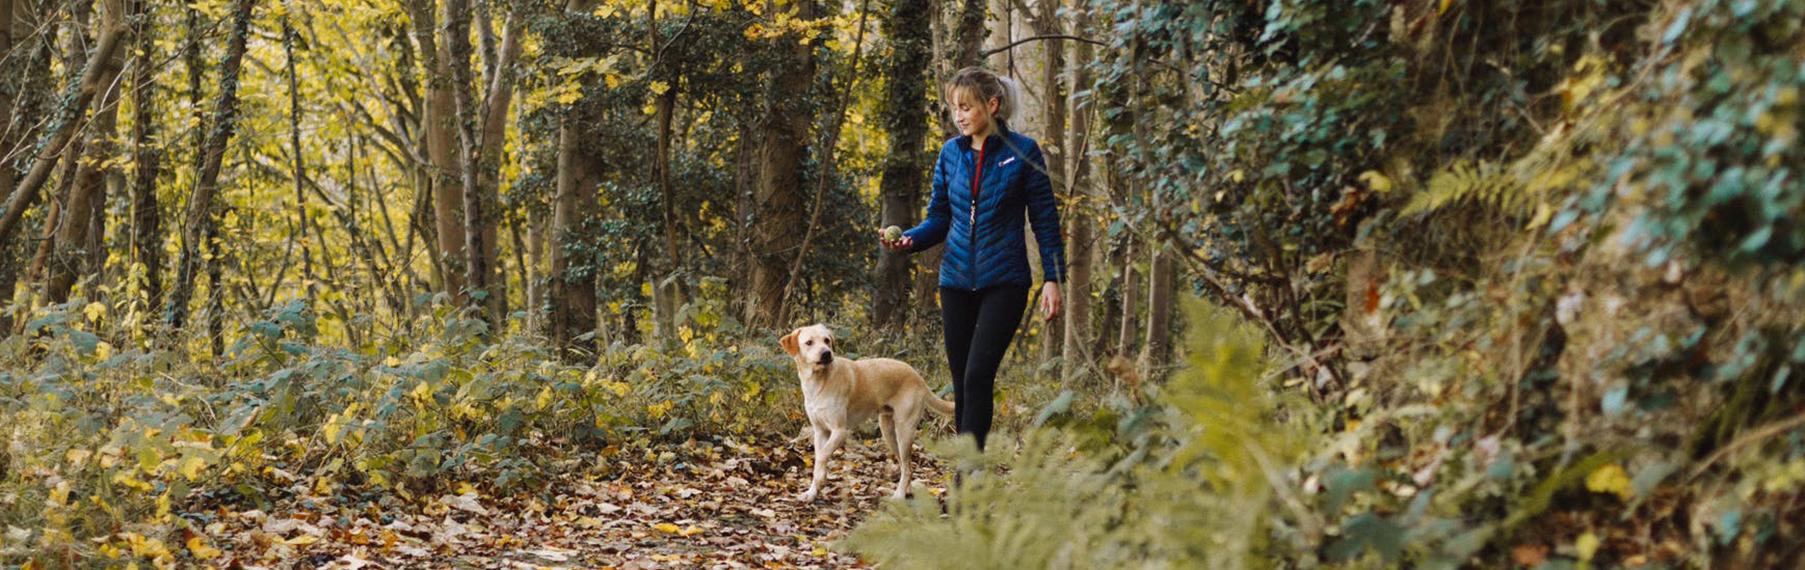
(979, 326)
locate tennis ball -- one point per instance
(893, 233)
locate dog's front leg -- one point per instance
(824, 448)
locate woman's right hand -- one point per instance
(901, 245)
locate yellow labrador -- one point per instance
(842, 394)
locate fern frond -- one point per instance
(1485, 183)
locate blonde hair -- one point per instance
(986, 86)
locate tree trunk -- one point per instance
(573, 263)
(147, 218)
(61, 130)
(480, 261)
(1076, 291)
(70, 252)
(59, 188)
(745, 177)
(971, 34)
(199, 220)
(537, 223)
(905, 119)
(1053, 102)
(299, 173)
(494, 137)
(1002, 62)
(1131, 295)
(216, 295)
(8, 249)
(777, 204)
(436, 121)
(667, 292)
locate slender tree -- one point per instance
(777, 202)
(1077, 288)
(199, 220)
(146, 213)
(440, 133)
(62, 129)
(905, 120)
(74, 244)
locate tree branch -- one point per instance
(994, 51)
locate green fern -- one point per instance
(1515, 189)
(1189, 490)
(1484, 183)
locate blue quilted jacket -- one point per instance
(985, 243)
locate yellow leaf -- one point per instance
(95, 311)
(667, 528)
(659, 87)
(192, 466)
(1444, 6)
(1543, 213)
(200, 549)
(1587, 545)
(1609, 479)
(1376, 180)
(659, 409)
(611, 80)
(302, 540)
(126, 478)
(692, 531)
(146, 547)
(59, 495)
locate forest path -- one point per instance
(699, 505)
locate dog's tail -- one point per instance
(942, 407)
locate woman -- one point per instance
(983, 181)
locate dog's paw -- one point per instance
(807, 497)
(900, 494)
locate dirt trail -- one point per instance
(699, 506)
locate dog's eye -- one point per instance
(810, 343)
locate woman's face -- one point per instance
(972, 117)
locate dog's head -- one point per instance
(812, 345)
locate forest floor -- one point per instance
(698, 505)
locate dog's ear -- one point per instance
(789, 343)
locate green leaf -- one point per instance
(1368, 531)
(1058, 406)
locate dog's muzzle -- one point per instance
(826, 359)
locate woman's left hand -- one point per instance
(1049, 300)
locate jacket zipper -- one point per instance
(977, 183)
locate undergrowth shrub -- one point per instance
(98, 439)
(1193, 479)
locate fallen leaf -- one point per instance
(199, 548)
